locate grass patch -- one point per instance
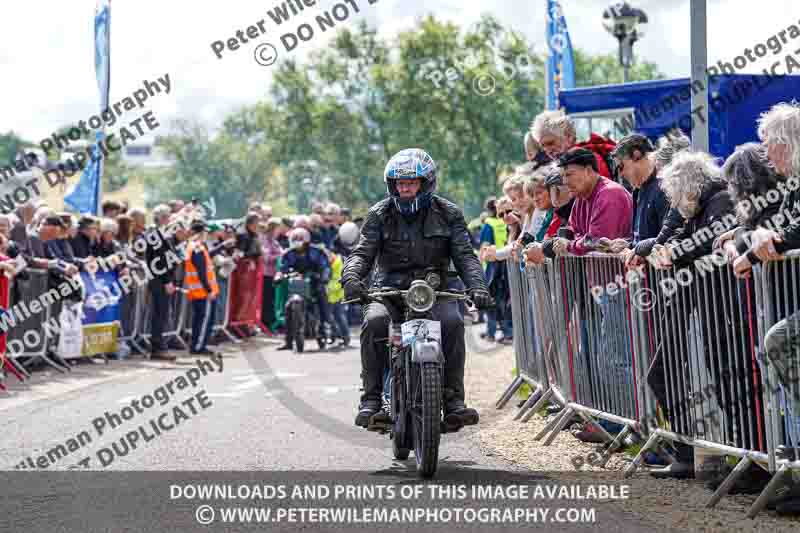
(633, 450)
(524, 391)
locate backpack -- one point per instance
(603, 147)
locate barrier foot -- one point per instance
(768, 492)
(231, 336)
(14, 369)
(606, 435)
(651, 443)
(550, 425)
(561, 424)
(730, 479)
(180, 340)
(532, 399)
(538, 405)
(20, 367)
(62, 369)
(509, 392)
(615, 444)
(137, 347)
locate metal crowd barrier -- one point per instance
(132, 312)
(776, 286)
(704, 331)
(599, 332)
(30, 332)
(527, 360)
(593, 366)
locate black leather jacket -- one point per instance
(402, 249)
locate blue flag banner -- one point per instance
(85, 195)
(560, 63)
(101, 302)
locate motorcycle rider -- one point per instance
(403, 236)
(304, 258)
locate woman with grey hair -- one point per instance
(670, 144)
(755, 188)
(694, 186)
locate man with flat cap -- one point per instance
(602, 207)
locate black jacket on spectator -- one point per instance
(106, 249)
(62, 250)
(715, 203)
(673, 222)
(19, 234)
(650, 207)
(791, 232)
(83, 247)
(156, 255)
(248, 243)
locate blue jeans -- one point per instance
(339, 312)
(499, 312)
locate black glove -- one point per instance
(481, 298)
(354, 290)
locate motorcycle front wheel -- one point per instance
(427, 416)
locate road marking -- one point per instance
(224, 394)
(254, 382)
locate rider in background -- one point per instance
(404, 236)
(306, 259)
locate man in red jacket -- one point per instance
(555, 132)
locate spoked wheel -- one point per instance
(400, 427)
(427, 415)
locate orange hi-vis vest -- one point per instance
(191, 279)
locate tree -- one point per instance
(10, 145)
(230, 168)
(467, 97)
(591, 70)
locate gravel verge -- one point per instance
(667, 504)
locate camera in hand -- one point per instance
(566, 233)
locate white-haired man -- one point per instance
(555, 133)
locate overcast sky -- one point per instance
(47, 58)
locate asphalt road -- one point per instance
(268, 417)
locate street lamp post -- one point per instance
(625, 24)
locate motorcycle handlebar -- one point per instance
(377, 295)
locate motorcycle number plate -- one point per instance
(421, 329)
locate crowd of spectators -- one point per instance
(66, 245)
(664, 205)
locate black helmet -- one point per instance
(411, 163)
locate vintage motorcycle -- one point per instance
(413, 383)
(302, 312)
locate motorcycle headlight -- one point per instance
(420, 297)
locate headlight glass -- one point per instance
(420, 297)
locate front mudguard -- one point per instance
(423, 351)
